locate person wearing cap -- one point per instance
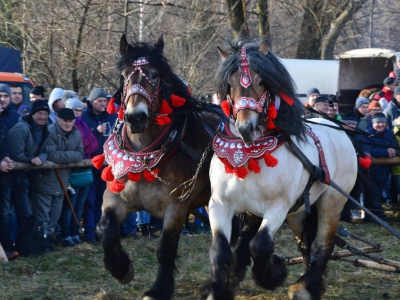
(386, 94)
(25, 141)
(333, 101)
(312, 94)
(64, 146)
(392, 111)
(55, 103)
(379, 173)
(69, 228)
(36, 93)
(100, 123)
(321, 104)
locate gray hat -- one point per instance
(73, 102)
(68, 94)
(5, 88)
(379, 117)
(360, 101)
(96, 93)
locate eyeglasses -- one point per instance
(78, 110)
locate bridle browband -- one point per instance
(137, 89)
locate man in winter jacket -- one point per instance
(25, 140)
(378, 173)
(55, 103)
(9, 116)
(64, 146)
(386, 94)
(392, 112)
(100, 123)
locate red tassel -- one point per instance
(111, 109)
(98, 161)
(148, 176)
(165, 109)
(271, 112)
(270, 124)
(177, 101)
(228, 166)
(287, 99)
(365, 162)
(134, 176)
(163, 120)
(241, 172)
(115, 186)
(107, 174)
(121, 114)
(254, 166)
(225, 108)
(270, 161)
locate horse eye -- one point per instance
(154, 76)
(261, 83)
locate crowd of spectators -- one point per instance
(378, 116)
(62, 129)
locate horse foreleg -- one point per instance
(219, 285)
(167, 250)
(241, 249)
(269, 271)
(115, 260)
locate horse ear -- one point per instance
(224, 54)
(160, 43)
(124, 46)
(263, 47)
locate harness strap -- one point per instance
(322, 161)
(189, 151)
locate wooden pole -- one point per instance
(66, 195)
(50, 165)
(335, 254)
(374, 265)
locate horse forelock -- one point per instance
(275, 77)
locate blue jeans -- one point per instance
(129, 225)
(143, 217)
(203, 211)
(14, 191)
(69, 228)
(94, 201)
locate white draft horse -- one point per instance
(253, 170)
(159, 143)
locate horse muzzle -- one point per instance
(246, 130)
(137, 122)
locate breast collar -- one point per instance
(123, 159)
(227, 145)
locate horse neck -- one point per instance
(139, 141)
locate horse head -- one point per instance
(142, 83)
(253, 81)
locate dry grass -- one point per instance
(78, 273)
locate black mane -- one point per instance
(275, 76)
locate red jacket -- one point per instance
(384, 93)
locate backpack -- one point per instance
(30, 239)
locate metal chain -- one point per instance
(189, 184)
(356, 237)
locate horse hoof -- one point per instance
(298, 291)
(129, 276)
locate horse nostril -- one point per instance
(140, 116)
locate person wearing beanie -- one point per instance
(55, 103)
(69, 228)
(333, 101)
(312, 94)
(64, 146)
(379, 173)
(360, 110)
(386, 94)
(37, 93)
(26, 142)
(100, 123)
(392, 111)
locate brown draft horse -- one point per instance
(155, 149)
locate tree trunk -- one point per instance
(263, 21)
(329, 40)
(237, 17)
